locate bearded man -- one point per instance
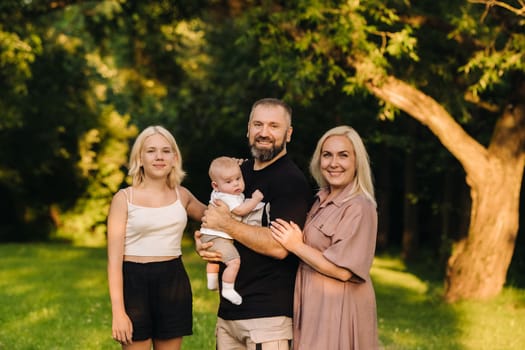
(267, 274)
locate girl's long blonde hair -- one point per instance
(136, 171)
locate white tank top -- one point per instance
(154, 231)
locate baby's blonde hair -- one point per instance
(219, 164)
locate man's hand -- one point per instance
(201, 249)
(217, 216)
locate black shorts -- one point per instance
(158, 299)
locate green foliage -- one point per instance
(16, 56)
(103, 154)
(315, 45)
(65, 125)
(77, 81)
(308, 46)
(499, 47)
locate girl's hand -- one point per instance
(122, 328)
(289, 235)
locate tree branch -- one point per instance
(470, 153)
(491, 3)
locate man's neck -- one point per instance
(258, 165)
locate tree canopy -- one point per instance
(435, 88)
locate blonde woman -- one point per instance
(150, 292)
(334, 300)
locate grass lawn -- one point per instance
(55, 297)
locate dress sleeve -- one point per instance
(354, 239)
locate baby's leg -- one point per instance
(228, 281)
(212, 275)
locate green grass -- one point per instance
(55, 297)
(412, 316)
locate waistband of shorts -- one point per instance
(168, 259)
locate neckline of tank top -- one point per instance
(164, 206)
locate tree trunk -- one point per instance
(478, 266)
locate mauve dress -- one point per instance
(330, 314)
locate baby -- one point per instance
(228, 185)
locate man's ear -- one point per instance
(289, 134)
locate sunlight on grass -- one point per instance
(412, 314)
(402, 298)
(38, 316)
(389, 263)
(388, 276)
(56, 297)
(500, 319)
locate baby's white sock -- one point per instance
(229, 293)
(213, 281)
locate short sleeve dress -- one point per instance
(329, 313)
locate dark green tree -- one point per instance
(450, 65)
(59, 126)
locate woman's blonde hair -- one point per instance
(136, 171)
(363, 177)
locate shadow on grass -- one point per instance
(410, 312)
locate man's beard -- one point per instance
(266, 154)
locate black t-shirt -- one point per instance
(266, 284)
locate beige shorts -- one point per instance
(222, 245)
(266, 333)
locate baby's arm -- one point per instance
(249, 204)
